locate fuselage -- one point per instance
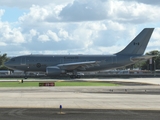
(41, 62)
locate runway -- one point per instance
(125, 102)
(76, 114)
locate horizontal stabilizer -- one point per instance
(140, 58)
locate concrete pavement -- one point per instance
(135, 98)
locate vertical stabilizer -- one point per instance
(138, 45)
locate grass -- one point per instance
(17, 84)
(36, 84)
(84, 84)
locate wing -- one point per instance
(78, 65)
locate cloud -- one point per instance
(53, 35)
(1, 12)
(81, 11)
(43, 38)
(84, 11)
(155, 39)
(3, 44)
(77, 26)
(120, 11)
(48, 36)
(33, 32)
(36, 14)
(10, 35)
(86, 33)
(27, 4)
(133, 12)
(152, 2)
(63, 34)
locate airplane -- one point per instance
(54, 65)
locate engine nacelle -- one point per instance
(54, 70)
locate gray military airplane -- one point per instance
(64, 64)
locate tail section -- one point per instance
(138, 45)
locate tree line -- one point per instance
(155, 61)
(3, 59)
(147, 64)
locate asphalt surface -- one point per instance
(76, 114)
(136, 99)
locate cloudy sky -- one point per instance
(75, 26)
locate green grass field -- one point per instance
(36, 84)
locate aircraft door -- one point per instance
(23, 61)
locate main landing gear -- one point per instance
(25, 75)
(75, 75)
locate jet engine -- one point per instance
(54, 70)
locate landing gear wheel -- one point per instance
(25, 75)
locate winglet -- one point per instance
(138, 45)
